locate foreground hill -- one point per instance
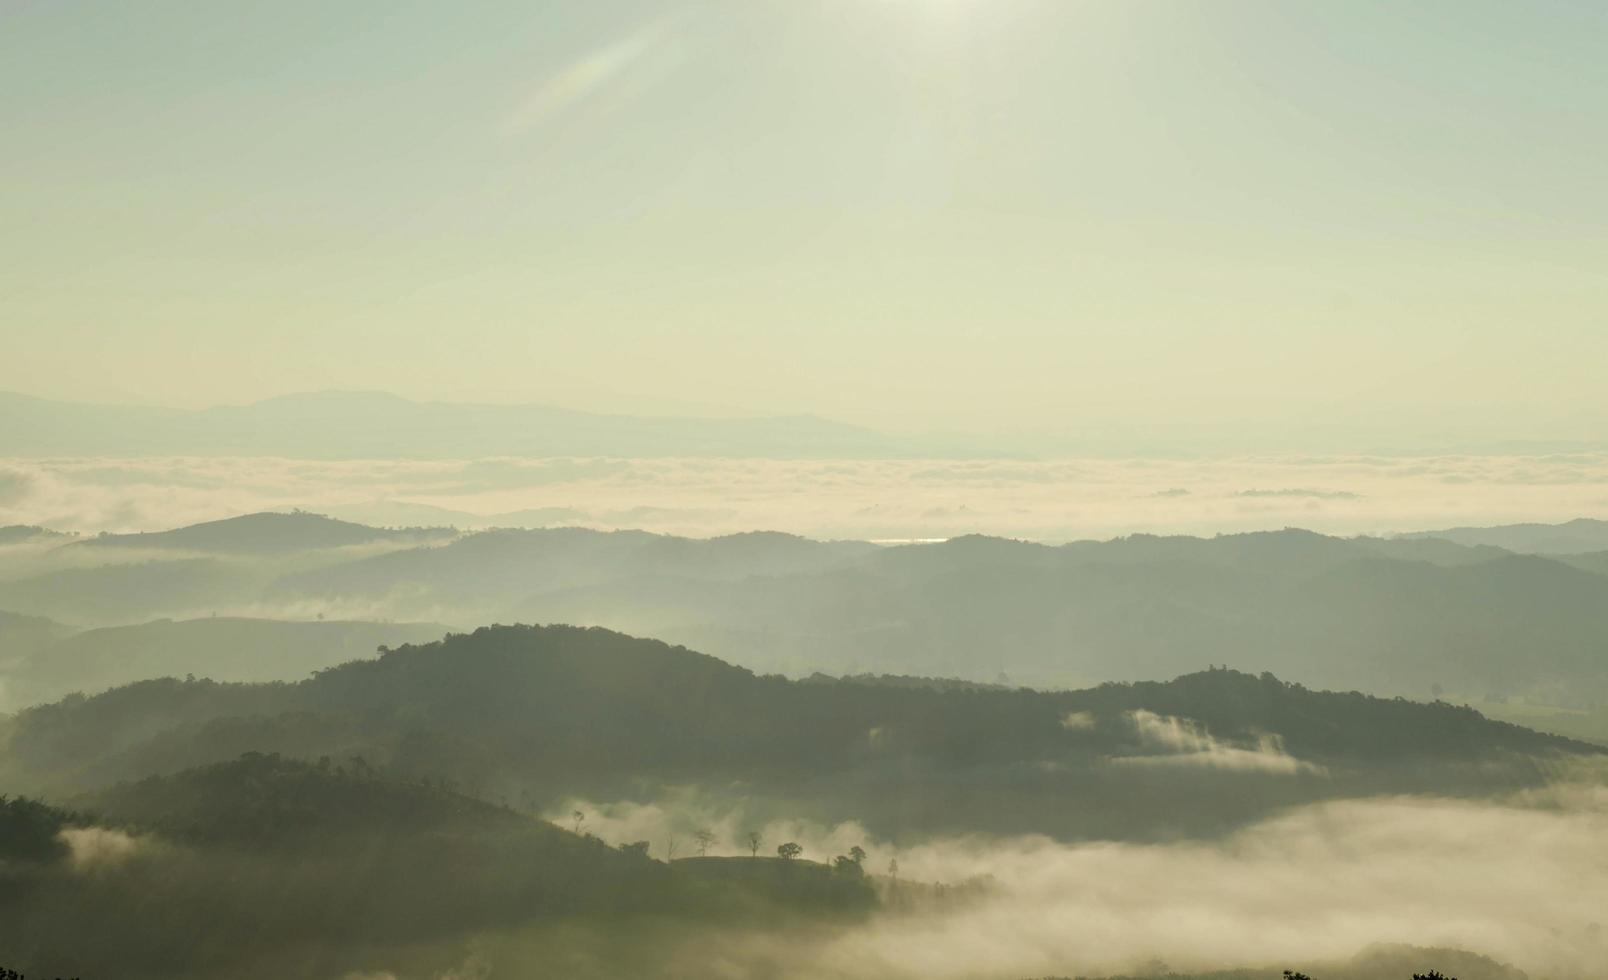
(267, 867)
(222, 648)
(539, 713)
(1382, 962)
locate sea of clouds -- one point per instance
(1051, 500)
(1522, 879)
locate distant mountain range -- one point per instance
(264, 533)
(378, 425)
(1413, 616)
(369, 425)
(1577, 537)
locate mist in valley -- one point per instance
(1307, 886)
(759, 490)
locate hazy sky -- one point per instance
(907, 213)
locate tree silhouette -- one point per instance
(637, 848)
(704, 839)
(857, 854)
(754, 840)
(579, 819)
(789, 850)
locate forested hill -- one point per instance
(219, 647)
(547, 710)
(266, 867)
(631, 697)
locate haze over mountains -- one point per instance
(219, 647)
(1581, 536)
(265, 534)
(1414, 616)
(855, 490)
(373, 425)
(295, 734)
(288, 732)
(378, 425)
(393, 823)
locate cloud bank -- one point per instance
(1051, 500)
(1523, 880)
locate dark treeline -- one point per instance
(266, 864)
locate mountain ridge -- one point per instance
(357, 425)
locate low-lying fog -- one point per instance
(873, 499)
(1523, 880)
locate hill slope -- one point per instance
(222, 648)
(1569, 538)
(1330, 612)
(263, 533)
(1399, 616)
(539, 713)
(267, 867)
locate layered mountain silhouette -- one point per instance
(1388, 616)
(223, 648)
(1412, 616)
(1575, 537)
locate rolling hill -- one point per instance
(1569, 538)
(221, 648)
(264, 533)
(1407, 616)
(536, 713)
(269, 867)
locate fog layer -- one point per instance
(859, 498)
(1524, 880)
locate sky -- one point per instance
(918, 215)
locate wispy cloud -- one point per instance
(1301, 492)
(92, 848)
(585, 77)
(1185, 742)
